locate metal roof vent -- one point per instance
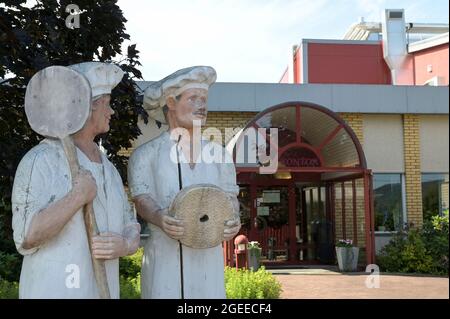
(394, 39)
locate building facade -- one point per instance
(362, 142)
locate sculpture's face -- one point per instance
(101, 114)
(189, 107)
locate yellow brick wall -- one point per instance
(222, 120)
(355, 121)
(219, 120)
(411, 140)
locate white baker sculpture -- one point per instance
(47, 200)
(171, 269)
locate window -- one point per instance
(434, 195)
(387, 189)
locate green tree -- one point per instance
(34, 38)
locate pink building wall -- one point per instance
(437, 57)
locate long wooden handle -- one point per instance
(89, 221)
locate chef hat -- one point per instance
(102, 77)
(195, 77)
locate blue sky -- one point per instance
(248, 40)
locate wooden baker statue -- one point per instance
(183, 256)
(48, 198)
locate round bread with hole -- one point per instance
(204, 209)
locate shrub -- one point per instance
(406, 253)
(246, 284)
(420, 251)
(435, 236)
(130, 288)
(130, 275)
(10, 266)
(9, 290)
(130, 266)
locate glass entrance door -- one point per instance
(315, 242)
(291, 222)
(272, 222)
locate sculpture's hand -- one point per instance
(84, 186)
(173, 227)
(232, 227)
(109, 246)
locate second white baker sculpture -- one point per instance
(172, 269)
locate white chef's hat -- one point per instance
(102, 77)
(195, 77)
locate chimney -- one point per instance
(394, 40)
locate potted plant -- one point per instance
(347, 255)
(254, 254)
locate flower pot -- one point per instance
(254, 255)
(347, 258)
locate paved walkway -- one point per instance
(328, 284)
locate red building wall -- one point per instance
(297, 66)
(347, 63)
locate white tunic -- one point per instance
(151, 171)
(62, 267)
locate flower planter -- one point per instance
(254, 255)
(347, 258)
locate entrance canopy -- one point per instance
(310, 138)
(320, 180)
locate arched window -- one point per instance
(309, 135)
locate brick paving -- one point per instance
(297, 285)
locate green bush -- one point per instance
(418, 251)
(435, 236)
(130, 288)
(10, 266)
(246, 284)
(130, 275)
(130, 266)
(405, 253)
(9, 290)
